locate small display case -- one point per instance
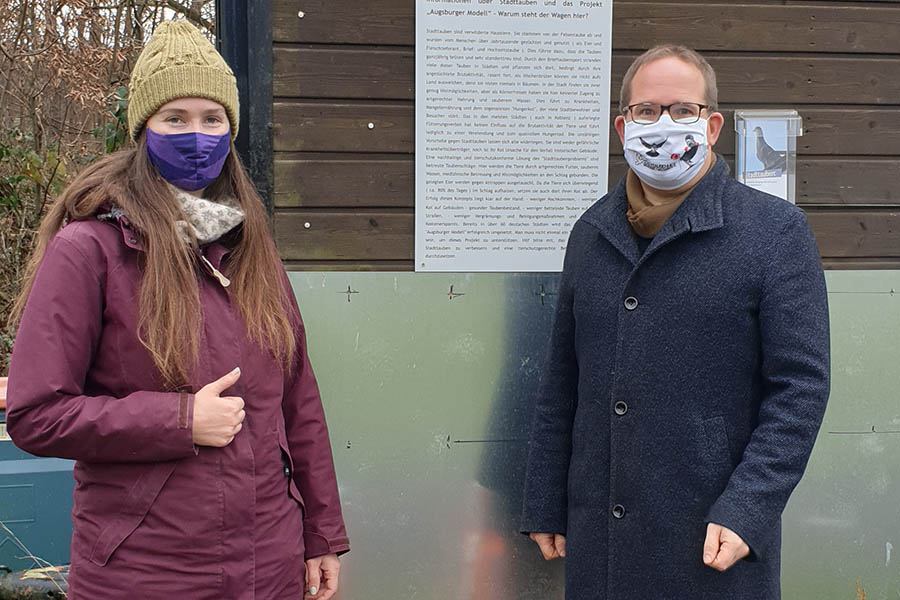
(766, 152)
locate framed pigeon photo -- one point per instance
(766, 150)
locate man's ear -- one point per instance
(714, 125)
(620, 128)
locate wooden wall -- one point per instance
(343, 86)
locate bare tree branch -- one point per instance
(191, 13)
(60, 64)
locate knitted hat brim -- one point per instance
(183, 81)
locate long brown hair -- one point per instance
(169, 295)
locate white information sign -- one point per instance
(512, 129)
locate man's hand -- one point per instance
(723, 547)
(552, 545)
(322, 577)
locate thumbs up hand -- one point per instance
(217, 418)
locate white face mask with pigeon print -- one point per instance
(665, 155)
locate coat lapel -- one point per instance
(609, 216)
(700, 211)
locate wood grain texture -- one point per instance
(792, 80)
(310, 180)
(327, 127)
(332, 235)
(856, 234)
(828, 131)
(351, 266)
(750, 27)
(350, 181)
(388, 22)
(854, 264)
(350, 72)
(373, 236)
(831, 181)
(638, 25)
(344, 72)
(849, 181)
(343, 127)
(347, 64)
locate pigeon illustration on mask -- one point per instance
(652, 149)
(690, 149)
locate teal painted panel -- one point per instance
(36, 505)
(427, 381)
(17, 503)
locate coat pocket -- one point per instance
(293, 490)
(133, 510)
(715, 435)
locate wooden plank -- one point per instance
(847, 264)
(856, 233)
(344, 73)
(334, 235)
(342, 265)
(636, 25)
(827, 132)
(322, 127)
(842, 264)
(751, 27)
(831, 181)
(351, 72)
(344, 21)
(320, 180)
(848, 180)
(343, 127)
(792, 80)
(850, 131)
(861, 235)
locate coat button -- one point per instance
(618, 511)
(621, 408)
(631, 303)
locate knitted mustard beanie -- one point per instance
(179, 62)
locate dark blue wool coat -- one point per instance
(682, 386)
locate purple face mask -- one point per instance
(190, 161)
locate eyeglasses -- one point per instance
(648, 113)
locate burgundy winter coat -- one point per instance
(156, 516)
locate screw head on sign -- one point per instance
(371, 125)
(300, 14)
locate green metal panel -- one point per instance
(843, 522)
(428, 392)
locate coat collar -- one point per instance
(700, 211)
(214, 251)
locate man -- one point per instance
(688, 367)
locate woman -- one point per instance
(159, 346)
